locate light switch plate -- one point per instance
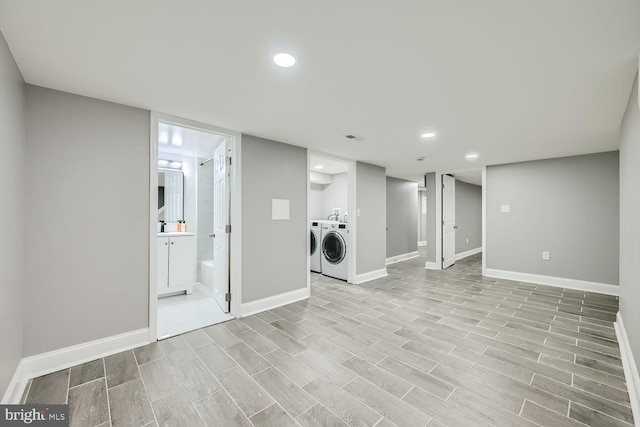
(505, 208)
(545, 256)
(357, 212)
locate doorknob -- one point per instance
(212, 234)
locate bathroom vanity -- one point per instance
(176, 263)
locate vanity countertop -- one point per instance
(175, 234)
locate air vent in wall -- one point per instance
(353, 137)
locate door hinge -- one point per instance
(227, 296)
(443, 186)
(228, 161)
(442, 259)
(227, 228)
(443, 222)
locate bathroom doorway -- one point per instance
(193, 253)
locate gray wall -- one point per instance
(431, 216)
(468, 216)
(568, 206)
(371, 232)
(274, 253)
(12, 174)
(87, 217)
(422, 228)
(629, 227)
(402, 216)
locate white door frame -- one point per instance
(235, 271)
(351, 203)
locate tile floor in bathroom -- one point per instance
(178, 314)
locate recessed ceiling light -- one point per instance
(428, 135)
(176, 140)
(284, 60)
(471, 156)
(319, 167)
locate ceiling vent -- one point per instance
(420, 159)
(354, 137)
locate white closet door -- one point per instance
(448, 221)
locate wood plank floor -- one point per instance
(417, 348)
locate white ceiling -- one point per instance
(329, 166)
(511, 80)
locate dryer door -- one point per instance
(334, 247)
(314, 242)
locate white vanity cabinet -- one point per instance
(176, 263)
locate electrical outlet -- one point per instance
(545, 256)
(505, 208)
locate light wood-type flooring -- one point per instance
(417, 348)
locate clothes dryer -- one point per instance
(335, 251)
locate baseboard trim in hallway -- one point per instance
(371, 275)
(468, 253)
(630, 368)
(430, 265)
(560, 282)
(52, 361)
(402, 257)
(264, 304)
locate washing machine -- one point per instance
(315, 251)
(335, 254)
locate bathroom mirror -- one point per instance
(170, 195)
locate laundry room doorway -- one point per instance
(194, 254)
(332, 223)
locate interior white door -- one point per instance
(220, 222)
(448, 221)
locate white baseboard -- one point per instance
(422, 243)
(468, 253)
(52, 361)
(371, 275)
(630, 368)
(401, 257)
(561, 282)
(264, 304)
(430, 265)
(16, 386)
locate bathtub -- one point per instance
(206, 274)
